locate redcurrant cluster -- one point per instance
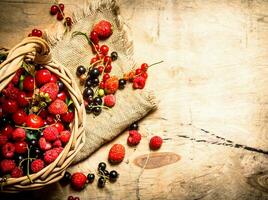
(58, 9)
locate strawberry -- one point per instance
(49, 91)
(78, 180)
(109, 100)
(111, 85)
(58, 107)
(116, 154)
(104, 29)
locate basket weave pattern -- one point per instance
(36, 50)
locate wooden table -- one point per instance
(212, 92)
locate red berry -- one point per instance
(62, 96)
(57, 143)
(28, 83)
(11, 92)
(3, 140)
(144, 75)
(8, 150)
(22, 99)
(43, 114)
(21, 147)
(34, 121)
(7, 166)
(94, 37)
(104, 49)
(111, 85)
(70, 198)
(93, 61)
(50, 119)
(54, 10)
(144, 67)
(44, 145)
(65, 136)
(61, 6)
(109, 100)
(51, 89)
(7, 130)
(58, 126)
(105, 77)
(16, 172)
(39, 33)
(60, 16)
(58, 107)
(53, 78)
(138, 71)
(116, 153)
(35, 32)
(42, 76)
(68, 21)
(19, 117)
(134, 138)
(19, 134)
(139, 82)
(78, 180)
(155, 142)
(10, 106)
(107, 60)
(103, 29)
(51, 133)
(37, 165)
(102, 85)
(100, 56)
(68, 117)
(100, 68)
(108, 68)
(50, 156)
(95, 48)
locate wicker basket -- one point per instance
(37, 50)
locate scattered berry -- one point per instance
(103, 29)
(54, 10)
(78, 180)
(102, 166)
(109, 100)
(134, 138)
(101, 182)
(155, 142)
(139, 82)
(113, 175)
(111, 85)
(116, 153)
(90, 177)
(114, 56)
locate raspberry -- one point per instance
(3, 139)
(19, 134)
(139, 82)
(111, 85)
(65, 136)
(103, 29)
(44, 145)
(52, 89)
(16, 172)
(50, 156)
(7, 166)
(58, 149)
(7, 130)
(19, 117)
(10, 106)
(78, 181)
(58, 107)
(57, 143)
(8, 150)
(59, 126)
(134, 138)
(21, 147)
(109, 100)
(116, 153)
(51, 133)
(37, 165)
(11, 92)
(155, 142)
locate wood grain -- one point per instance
(212, 92)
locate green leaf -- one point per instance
(31, 134)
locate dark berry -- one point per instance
(113, 175)
(34, 143)
(95, 82)
(60, 16)
(19, 158)
(66, 177)
(61, 5)
(54, 10)
(89, 108)
(101, 182)
(36, 152)
(68, 21)
(70, 198)
(114, 56)
(122, 83)
(106, 173)
(60, 85)
(102, 166)
(97, 101)
(134, 126)
(76, 198)
(88, 83)
(88, 92)
(94, 73)
(90, 178)
(80, 70)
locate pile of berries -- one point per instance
(35, 113)
(58, 9)
(79, 180)
(100, 86)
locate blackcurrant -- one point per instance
(102, 166)
(97, 101)
(80, 70)
(34, 143)
(95, 82)
(94, 73)
(134, 126)
(101, 182)
(88, 83)
(89, 108)
(66, 177)
(87, 92)
(97, 111)
(122, 83)
(90, 178)
(106, 173)
(60, 85)
(113, 175)
(114, 56)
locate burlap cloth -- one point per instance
(131, 105)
